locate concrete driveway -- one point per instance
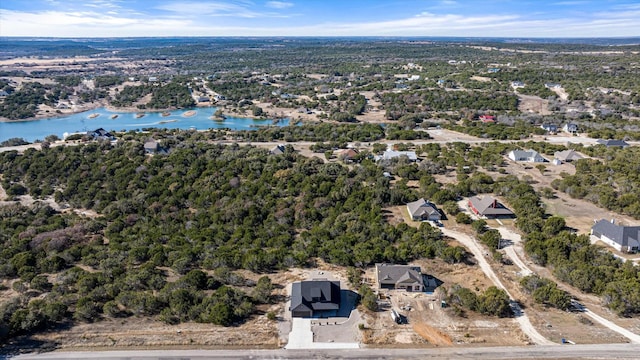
(301, 337)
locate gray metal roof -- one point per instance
(620, 143)
(620, 234)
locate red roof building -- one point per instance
(487, 118)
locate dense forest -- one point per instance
(612, 180)
(116, 233)
(198, 213)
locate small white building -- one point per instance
(526, 156)
(570, 128)
(392, 154)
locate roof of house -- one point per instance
(100, 133)
(613, 142)
(519, 154)
(390, 154)
(567, 155)
(421, 207)
(151, 145)
(347, 153)
(393, 274)
(488, 205)
(549, 127)
(619, 234)
(315, 295)
(278, 150)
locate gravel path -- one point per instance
(520, 316)
(513, 255)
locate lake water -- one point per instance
(81, 122)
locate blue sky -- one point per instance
(481, 18)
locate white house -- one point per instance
(392, 154)
(526, 156)
(621, 238)
(570, 128)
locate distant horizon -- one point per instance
(545, 19)
(320, 37)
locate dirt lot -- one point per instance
(551, 323)
(145, 333)
(430, 325)
(579, 214)
(533, 104)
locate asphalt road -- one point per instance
(597, 351)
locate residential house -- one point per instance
(153, 78)
(392, 154)
(278, 150)
(526, 155)
(552, 86)
(488, 206)
(3, 93)
(315, 298)
(621, 238)
(517, 84)
(347, 155)
(493, 70)
(101, 134)
(423, 210)
(570, 128)
(613, 143)
(287, 96)
(151, 146)
(550, 128)
(567, 156)
(203, 99)
(487, 118)
(406, 277)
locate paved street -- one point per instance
(597, 351)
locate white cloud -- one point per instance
(570, 3)
(189, 18)
(278, 4)
(240, 9)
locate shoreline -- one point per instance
(92, 106)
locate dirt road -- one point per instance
(522, 318)
(512, 252)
